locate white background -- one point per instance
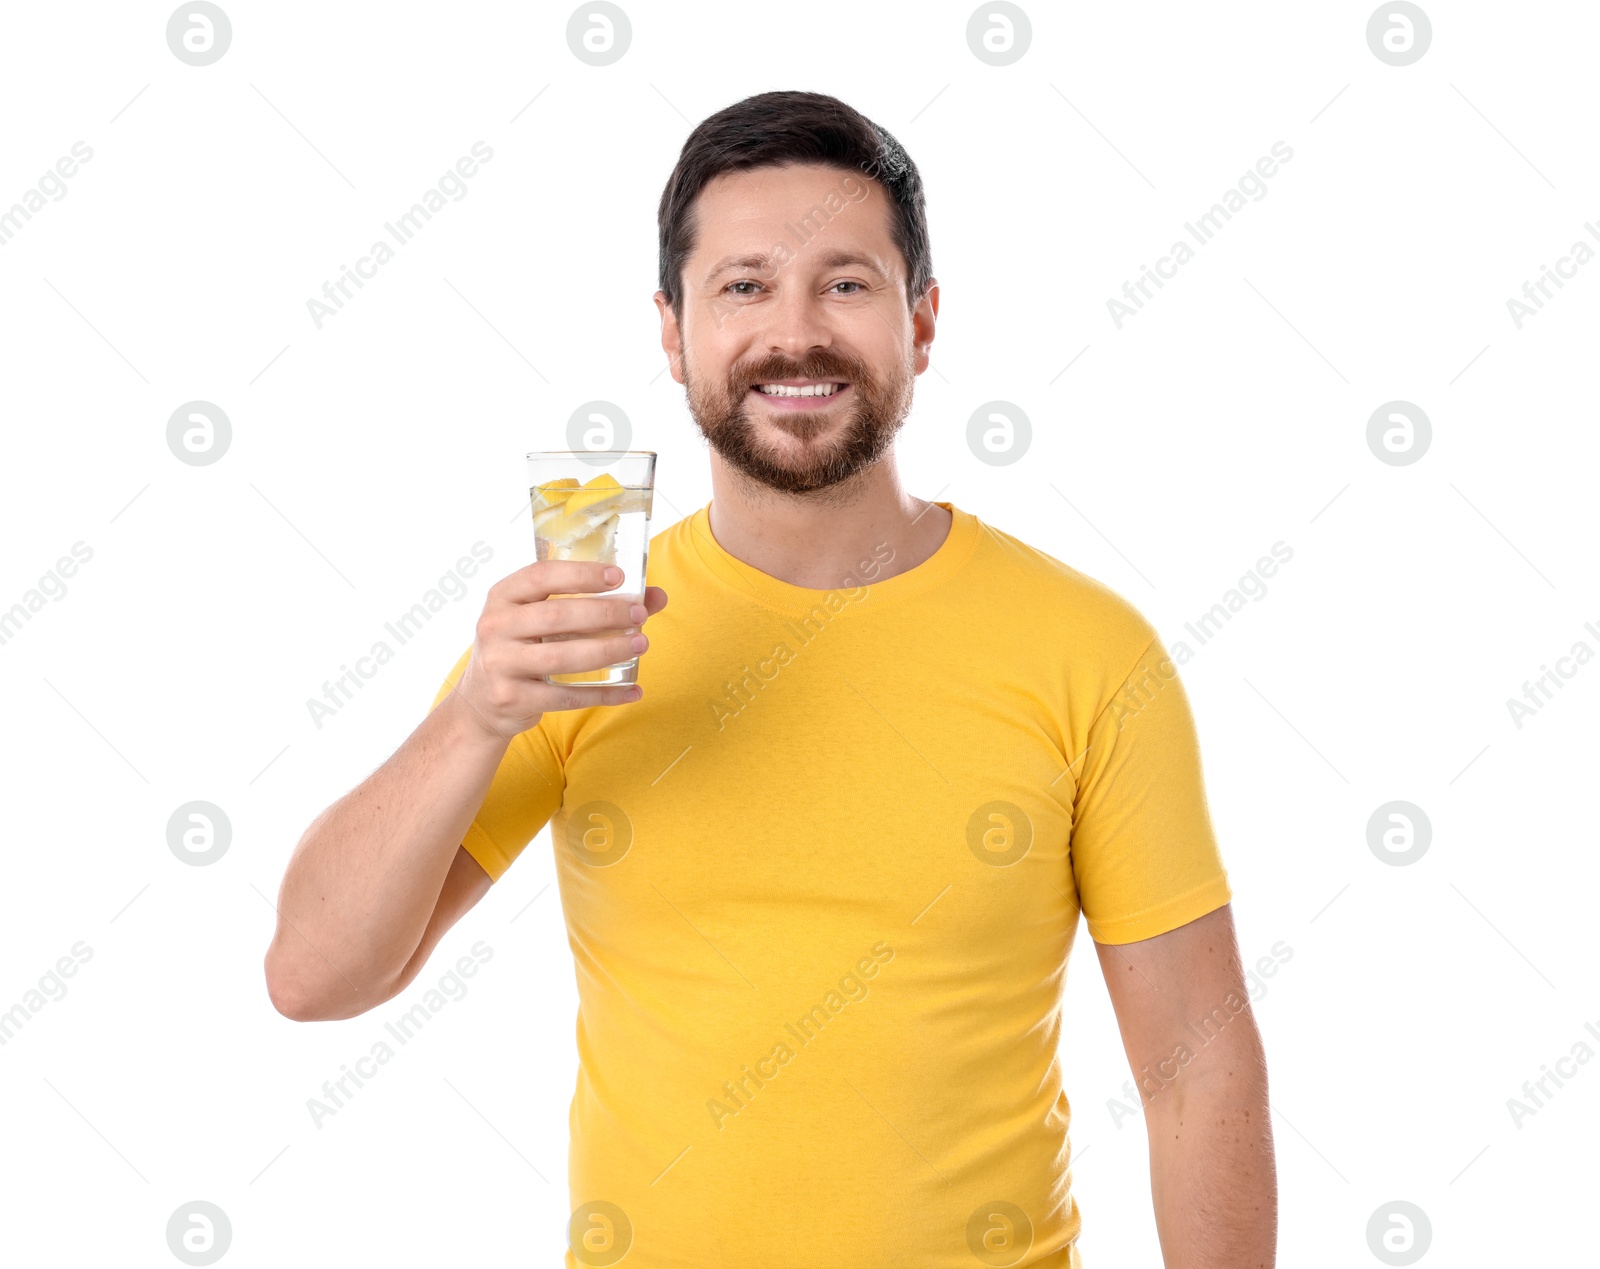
(369, 455)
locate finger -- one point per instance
(544, 578)
(600, 615)
(566, 696)
(568, 656)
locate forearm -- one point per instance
(363, 880)
(1212, 1175)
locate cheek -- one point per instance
(877, 340)
(713, 345)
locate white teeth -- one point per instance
(810, 390)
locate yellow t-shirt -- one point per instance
(820, 885)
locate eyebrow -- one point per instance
(760, 262)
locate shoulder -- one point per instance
(1092, 618)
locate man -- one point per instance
(822, 875)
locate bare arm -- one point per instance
(378, 877)
(1184, 1012)
(362, 884)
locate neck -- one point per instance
(818, 539)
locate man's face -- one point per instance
(761, 307)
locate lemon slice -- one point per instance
(548, 499)
(600, 544)
(602, 489)
(580, 521)
(544, 517)
(556, 490)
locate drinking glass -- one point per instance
(595, 505)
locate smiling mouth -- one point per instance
(798, 392)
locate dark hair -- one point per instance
(777, 128)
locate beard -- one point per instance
(734, 424)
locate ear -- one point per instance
(671, 336)
(922, 321)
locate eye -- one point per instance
(744, 282)
(847, 282)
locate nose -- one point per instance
(797, 322)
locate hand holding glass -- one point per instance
(595, 506)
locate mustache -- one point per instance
(830, 368)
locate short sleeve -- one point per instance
(525, 792)
(1144, 854)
